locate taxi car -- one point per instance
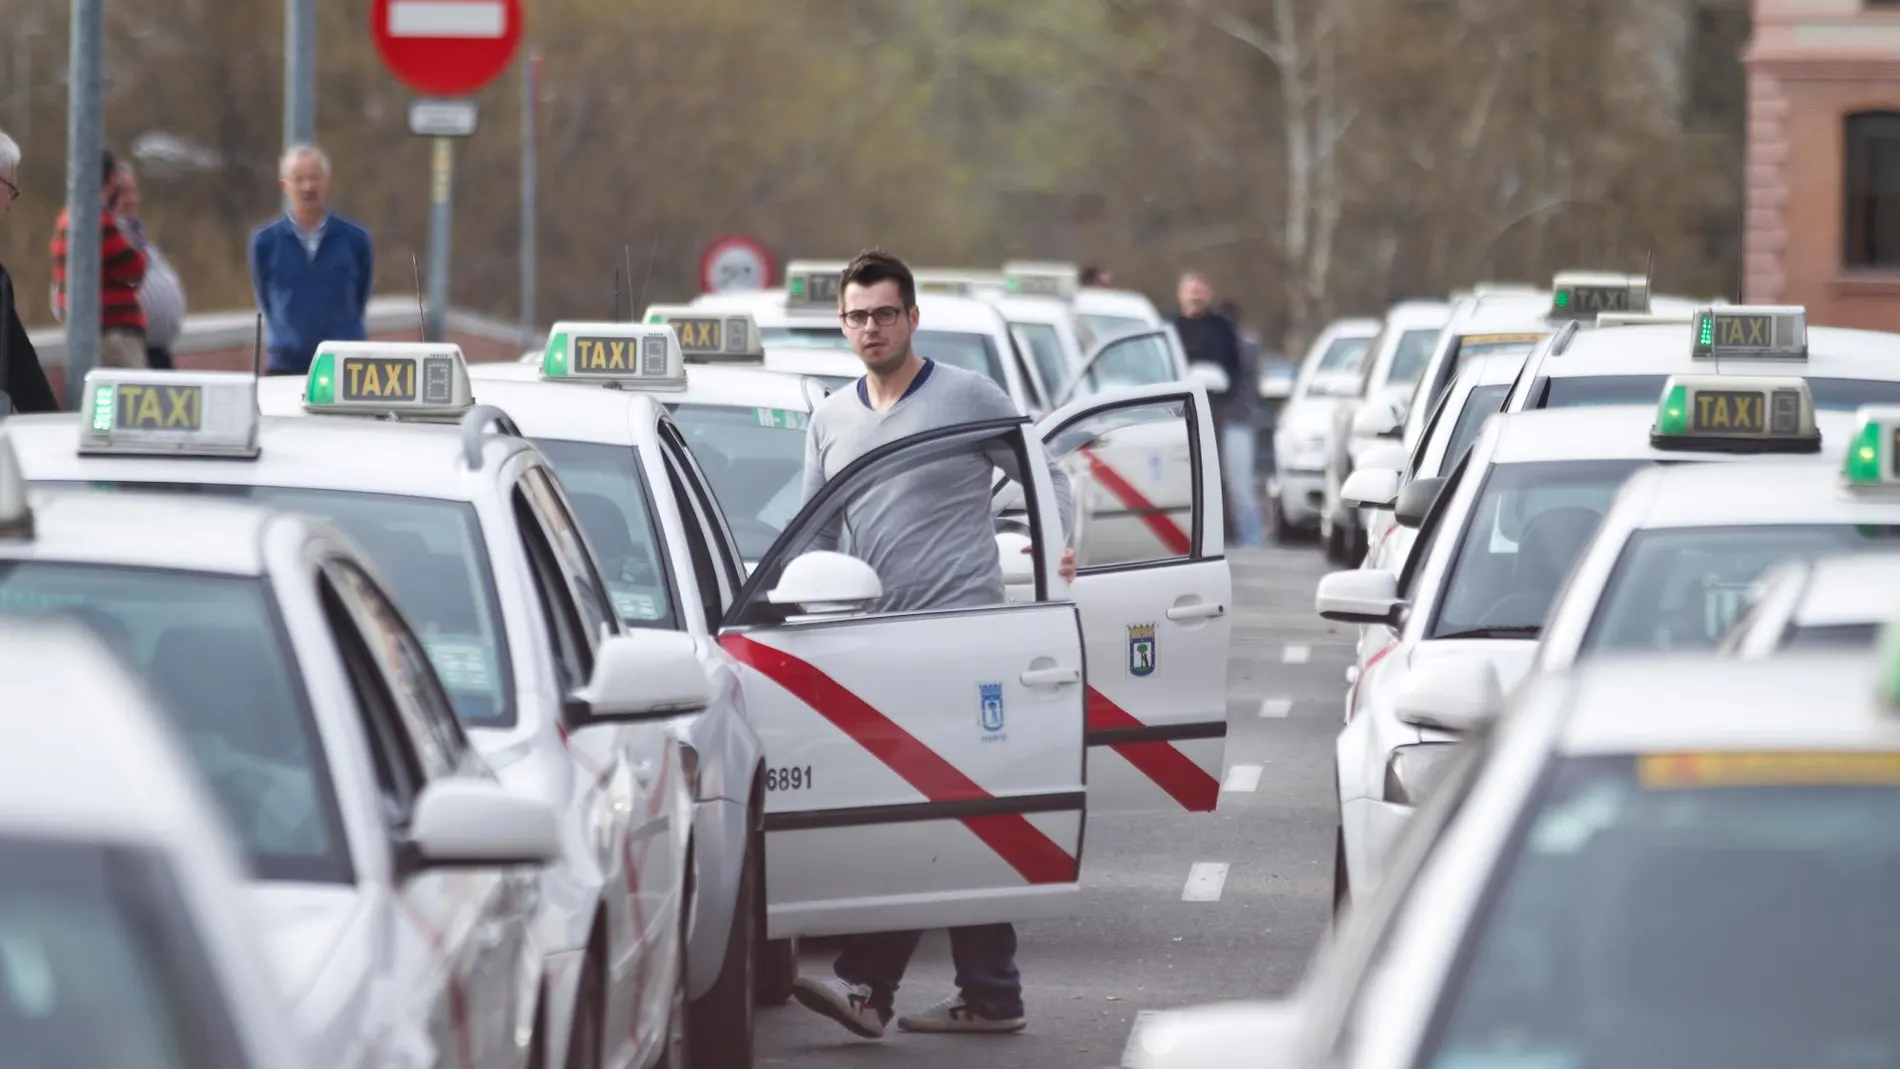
(1644, 862)
(390, 876)
(1496, 538)
(121, 897)
(477, 542)
(1296, 486)
(1407, 336)
(1105, 312)
(1808, 603)
(1676, 554)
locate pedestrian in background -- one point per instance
(311, 269)
(1239, 436)
(22, 380)
(1211, 338)
(1100, 277)
(121, 273)
(161, 295)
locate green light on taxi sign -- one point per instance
(1673, 415)
(657, 317)
(796, 285)
(102, 405)
(1706, 332)
(1563, 298)
(554, 362)
(320, 386)
(1863, 456)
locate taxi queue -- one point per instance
(536, 732)
(1620, 751)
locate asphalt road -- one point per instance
(1135, 943)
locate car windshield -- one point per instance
(1481, 404)
(605, 485)
(1530, 523)
(813, 337)
(1830, 395)
(755, 460)
(1045, 348)
(1680, 587)
(99, 963)
(1478, 346)
(1682, 910)
(1409, 360)
(432, 555)
(1141, 361)
(1344, 356)
(1830, 636)
(969, 351)
(215, 654)
(1102, 327)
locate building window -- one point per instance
(1872, 178)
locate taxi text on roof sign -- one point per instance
(1775, 332)
(708, 336)
(1873, 459)
(1031, 278)
(813, 283)
(1801, 769)
(169, 413)
(642, 356)
(374, 378)
(1752, 414)
(1586, 294)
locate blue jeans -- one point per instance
(985, 956)
(1243, 499)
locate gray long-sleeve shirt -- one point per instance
(928, 530)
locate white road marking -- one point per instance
(478, 19)
(1204, 881)
(1242, 779)
(1296, 654)
(1276, 707)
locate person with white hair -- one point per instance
(311, 269)
(23, 385)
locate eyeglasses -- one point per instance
(885, 316)
(13, 191)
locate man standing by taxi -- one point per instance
(1211, 338)
(902, 394)
(311, 268)
(21, 377)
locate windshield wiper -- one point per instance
(1525, 631)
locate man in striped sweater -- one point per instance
(121, 271)
(161, 295)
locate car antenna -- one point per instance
(651, 250)
(257, 363)
(616, 295)
(422, 315)
(1649, 270)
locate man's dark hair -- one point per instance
(1091, 275)
(873, 266)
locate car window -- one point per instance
(1409, 360)
(965, 349)
(699, 540)
(1830, 636)
(755, 460)
(561, 617)
(571, 550)
(420, 703)
(712, 519)
(1045, 348)
(1140, 361)
(1344, 356)
(395, 762)
(1107, 326)
(216, 655)
(1687, 909)
(1481, 404)
(607, 487)
(1136, 483)
(1680, 588)
(1529, 524)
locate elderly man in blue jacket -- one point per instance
(311, 269)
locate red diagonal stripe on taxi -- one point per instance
(1172, 770)
(1158, 521)
(1023, 845)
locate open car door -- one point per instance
(1154, 591)
(924, 769)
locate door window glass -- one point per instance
(1135, 477)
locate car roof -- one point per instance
(87, 754)
(1031, 309)
(1356, 327)
(573, 412)
(1415, 314)
(1676, 702)
(1512, 312)
(1664, 349)
(326, 452)
(970, 315)
(1621, 432)
(1132, 304)
(1849, 588)
(1495, 369)
(1729, 495)
(143, 530)
(746, 385)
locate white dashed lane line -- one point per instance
(1204, 881)
(1276, 707)
(1242, 779)
(1296, 654)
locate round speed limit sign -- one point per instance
(734, 264)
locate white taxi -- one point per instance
(391, 876)
(1496, 538)
(1330, 371)
(1678, 551)
(1105, 312)
(1646, 862)
(121, 897)
(1811, 603)
(479, 547)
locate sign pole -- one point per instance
(441, 178)
(530, 115)
(83, 139)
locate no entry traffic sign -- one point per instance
(735, 263)
(446, 47)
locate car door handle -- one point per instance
(1199, 611)
(1050, 677)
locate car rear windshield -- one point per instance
(804, 338)
(608, 490)
(967, 350)
(215, 655)
(1831, 395)
(1344, 356)
(1677, 910)
(755, 460)
(1414, 351)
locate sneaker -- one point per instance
(847, 1003)
(951, 1015)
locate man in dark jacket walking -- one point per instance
(23, 385)
(311, 269)
(1211, 338)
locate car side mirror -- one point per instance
(463, 823)
(1212, 377)
(1378, 418)
(1415, 500)
(1359, 596)
(825, 582)
(641, 675)
(1259, 1035)
(1370, 488)
(1451, 693)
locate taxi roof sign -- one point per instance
(1033, 278)
(641, 356)
(141, 412)
(1586, 294)
(388, 379)
(1732, 412)
(706, 337)
(1741, 331)
(1873, 457)
(813, 283)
